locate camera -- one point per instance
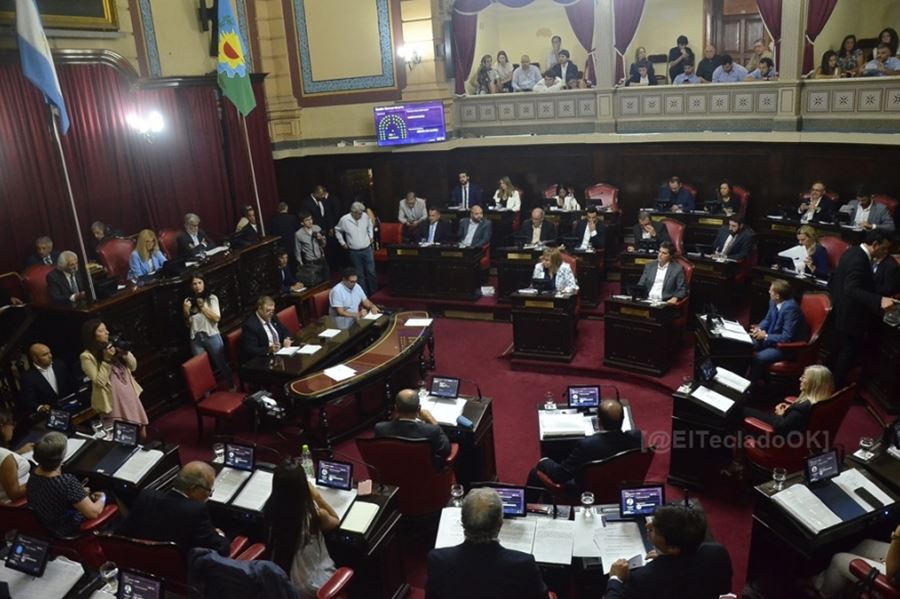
(266, 405)
(120, 343)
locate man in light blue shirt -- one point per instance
(883, 65)
(764, 72)
(355, 234)
(347, 298)
(526, 75)
(728, 72)
(687, 75)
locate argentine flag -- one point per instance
(37, 62)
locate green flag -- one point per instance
(232, 68)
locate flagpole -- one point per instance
(259, 216)
(65, 170)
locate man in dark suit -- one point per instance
(664, 279)
(466, 194)
(480, 567)
(734, 241)
(784, 323)
(435, 230)
(262, 332)
(64, 284)
(43, 254)
(475, 231)
(537, 230)
(44, 383)
(816, 207)
(193, 239)
(648, 234)
(887, 276)
(180, 514)
(606, 443)
(590, 232)
(856, 302)
(322, 209)
(684, 565)
(410, 421)
(564, 69)
(284, 225)
(674, 195)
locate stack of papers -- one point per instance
(715, 400)
(445, 411)
(256, 492)
(138, 465)
(309, 349)
(618, 540)
(418, 322)
(799, 502)
(560, 424)
(228, 481)
(735, 331)
(731, 380)
(371, 316)
(339, 499)
(360, 517)
(339, 373)
(329, 333)
(287, 351)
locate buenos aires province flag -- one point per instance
(234, 78)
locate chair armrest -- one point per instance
(759, 425)
(790, 399)
(792, 345)
(109, 512)
(254, 551)
(451, 458)
(20, 502)
(336, 584)
(549, 483)
(881, 585)
(551, 595)
(237, 545)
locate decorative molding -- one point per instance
(72, 56)
(148, 31)
(244, 24)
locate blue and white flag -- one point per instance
(37, 62)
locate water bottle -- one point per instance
(307, 462)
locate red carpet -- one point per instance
(471, 349)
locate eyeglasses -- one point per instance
(209, 490)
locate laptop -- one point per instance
(444, 387)
(28, 555)
(334, 480)
(239, 463)
(513, 499)
(125, 443)
(137, 585)
(639, 502)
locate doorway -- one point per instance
(733, 27)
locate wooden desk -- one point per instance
(714, 282)
(632, 266)
(701, 227)
(477, 459)
(639, 336)
(884, 467)
(778, 234)
(442, 271)
(590, 267)
(544, 326)
(515, 265)
(502, 222)
(733, 355)
(761, 277)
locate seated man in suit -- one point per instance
(734, 241)
(664, 279)
(475, 230)
(590, 232)
(410, 421)
(289, 283)
(411, 213)
(784, 323)
(480, 566)
(64, 284)
(194, 239)
(818, 207)
(43, 252)
(466, 194)
(684, 565)
(606, 443)
(676, 196)
(44, 383)
(262, 332)
(348, 298)
(100, 233)
(178, 515)
(648, 234)
(866, 214)
(435, 230)
(537, 230)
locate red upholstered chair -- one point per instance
(604, 477)
(12, 283)
(675, 229)
(409, 464)
(881, 586)
(233, 352)
(691, 190)
(743, 197)
(168, 242)
(683, 304)
(835, 247)
(887, 201)
(603, 194)
(824, 421)
(201, 383)
(115, 255)
(35, 281)
(289, 318)
(549, 192)
(320, 303)
(815, 307)
(336, 587)
(391, 234)
(486, 258)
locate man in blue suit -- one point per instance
(676, 196)
(475, 230)
(466, 194)
(783, 323)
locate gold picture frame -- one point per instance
(99, 15)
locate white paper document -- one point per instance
(329, 333)
(309, 349)
(228, 481)
(557, 424)
(852, 479)
(287, 351)
(216, 250)
(60, 577)
(734, 331)
(584, 545)
(371, 316)
(339, 373)
(73, 445)
(138, 465)
(360, 517)
(518, 534)
(798, 255)
(450, 530)
(799, 502)
(553, 541)
(445, 411)
(255, 493)
(731, 380)
(418, 322)
(339, 499)
(713, 399)
(618, 540)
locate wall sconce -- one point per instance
(409, 55)
(147, 125)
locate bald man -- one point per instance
(410, 421)
(178, 515)
(607, 442)
(44, 383)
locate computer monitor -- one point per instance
(513, 501)
(641, 501)
(445, 387)
(239, 457)
(125, 433)
(822, 467)
(541, 284)
(636, 291)
(707, 370)
(135, 585)
(28, 555)
(335, 475)
(583, 396)
(59, 420)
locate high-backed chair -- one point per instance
(603, 194)
(201, 383)
(549, 192)
(675, 229)
(391, 234)
(691, 190)
(409, 464)
(604, 477)
(233, 352)
(881, 588)
(289, 318)
(824, 422)
(115, 255)
(887, 201)
(12, 283)
(743, 197)
(34, 278)
(835, 247)
(321, 303)
(168, 242)
(683, 304)
(815, 307)
(660, 64)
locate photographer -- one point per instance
(201, 316)
(115, 395)
(309, 250)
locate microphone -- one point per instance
(331, 453)
(477, 388)
(544, 493)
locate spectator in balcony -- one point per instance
(640, 56)
(850, 57)
(564, 68)
(764, 72)
(759, 52)
(888, 36)
(711, 61)
(485, 80)
(688, 76)
(678, 55)
(526, 76)
(555, 49)
(728, 72)
(550, 83)
(885, 64)
(642, 77)
(830, 67)
(505, 70)
(507, 196)
(575, 80)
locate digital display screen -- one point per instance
(125, 433)
(584, 397)
(410, 124)
(136, 586)
(28, 555)
(59, 420)
(446, 387)
(641, 501)
(513, 501)
(239, 457)
(336, 475)
(822, 467)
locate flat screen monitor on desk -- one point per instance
(641, 501)
(28, 555)
(59, 420)
(513, 499)
(335, 475)
(134, 585)
(822, 467)
(239, 457)
(541, 284)
(583, 396)
(125, 443)
(636, 291)
(445, 387)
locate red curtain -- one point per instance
(770, 11)
(465, 28)
(628, 16)
(816, 18)
(581, 18)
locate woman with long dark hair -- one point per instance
(14, 468)
(202, 315)
(849, 57)
(888, 36)
(296, 516)
(486, 79)
(504, 69)
(830, 67)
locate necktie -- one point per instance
(73, 285)
(465, 196)
(727, 245)
(272, 331)
(431, 232)
(321, 207)
(47, 260)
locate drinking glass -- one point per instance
(865, 445)
(97, 427)
(219, 451)
(779, 475)
(587, 502)
(549, 402)
(109, 572)
(456, 492)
